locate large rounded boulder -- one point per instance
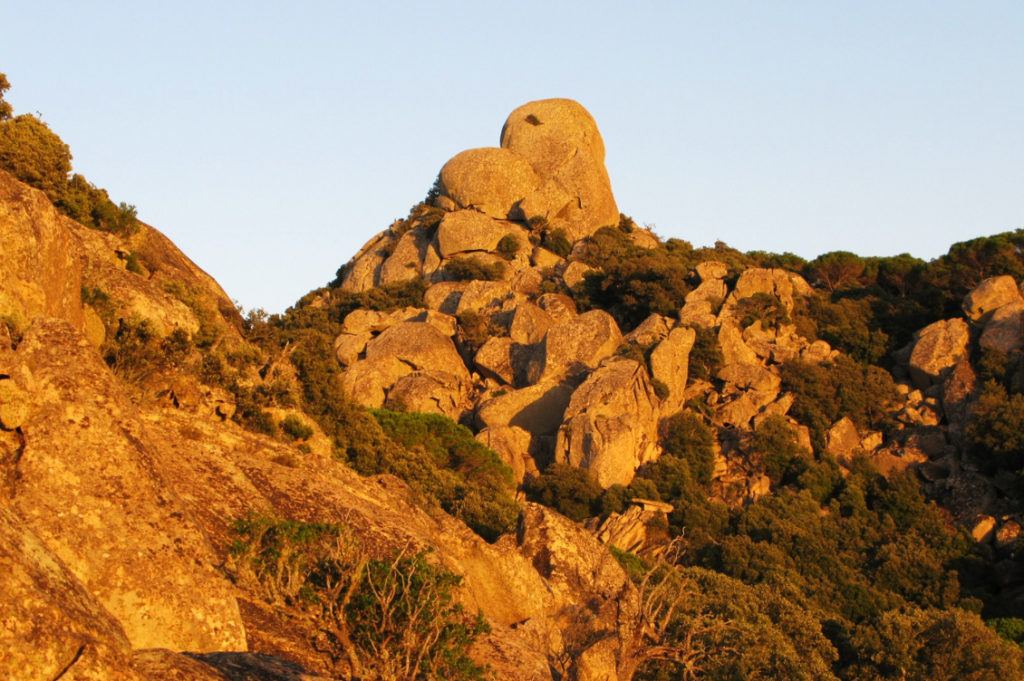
(561, 141)
(489, 180)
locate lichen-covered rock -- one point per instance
(750, 377)
(709, 270)
(1004, 328)
(491, 181)
(988, 296)
(420, 346)
(158, 578)
(537, 409)
(15, 404)
(734, 349)
(430, 392)
(575, 273)
(712, 290)
(670, 364)
(408, 259)
(51, 627)
(40, 269)
(561, 141)
(467, 230)
(610, 424)
(494, 360)
(560, 306)
(444, 296)
(478, 295)
(842, 440)
(652, 330)
(938, 348)
(348, 346)
(572, 561)
(529, 324)
(367, 382)
(582, 341)
(363, 271)
(698, 313)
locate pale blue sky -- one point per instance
(270, 143)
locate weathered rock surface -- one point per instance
(1004, 328)
(670, 364)
(491, 181)
(710, 270)
(842, 440)
(560, 306)
(573, 562)
(418, 345)
(529, 324)
(538, 408)
(561, 141)
(84, 448)
(428, 391)
(514, 446)
(734, 348)
(938, 348)
(582, 341)
(494, 359)
(50, 625)
(988, 296)
(467, 230)
(610, 424)
(40, 271)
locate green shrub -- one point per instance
(295, 428)
(573, 492)
(775, 445)
(474, 269)
(691, 440)
(765, 308)
(35, 155)
(475, 329)
(995, 433)
(508, 247)
(705, 356)
(443, 461)
(557, 242)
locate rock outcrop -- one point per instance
(610, 424)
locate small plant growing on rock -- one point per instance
(508, 247)
(557, 242)
(474, 269)
(295, 428)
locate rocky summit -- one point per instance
(519, 437)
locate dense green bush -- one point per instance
(690, 439)
(474, 269)
(294, 428)
(441, 459)
(775, 446)
(827, 392)
(996, 431)
(35, 155)
(557, 242)
(573, 492)
(508, 246)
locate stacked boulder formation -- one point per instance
(540, 382)
(549, 169)
(548, 384)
